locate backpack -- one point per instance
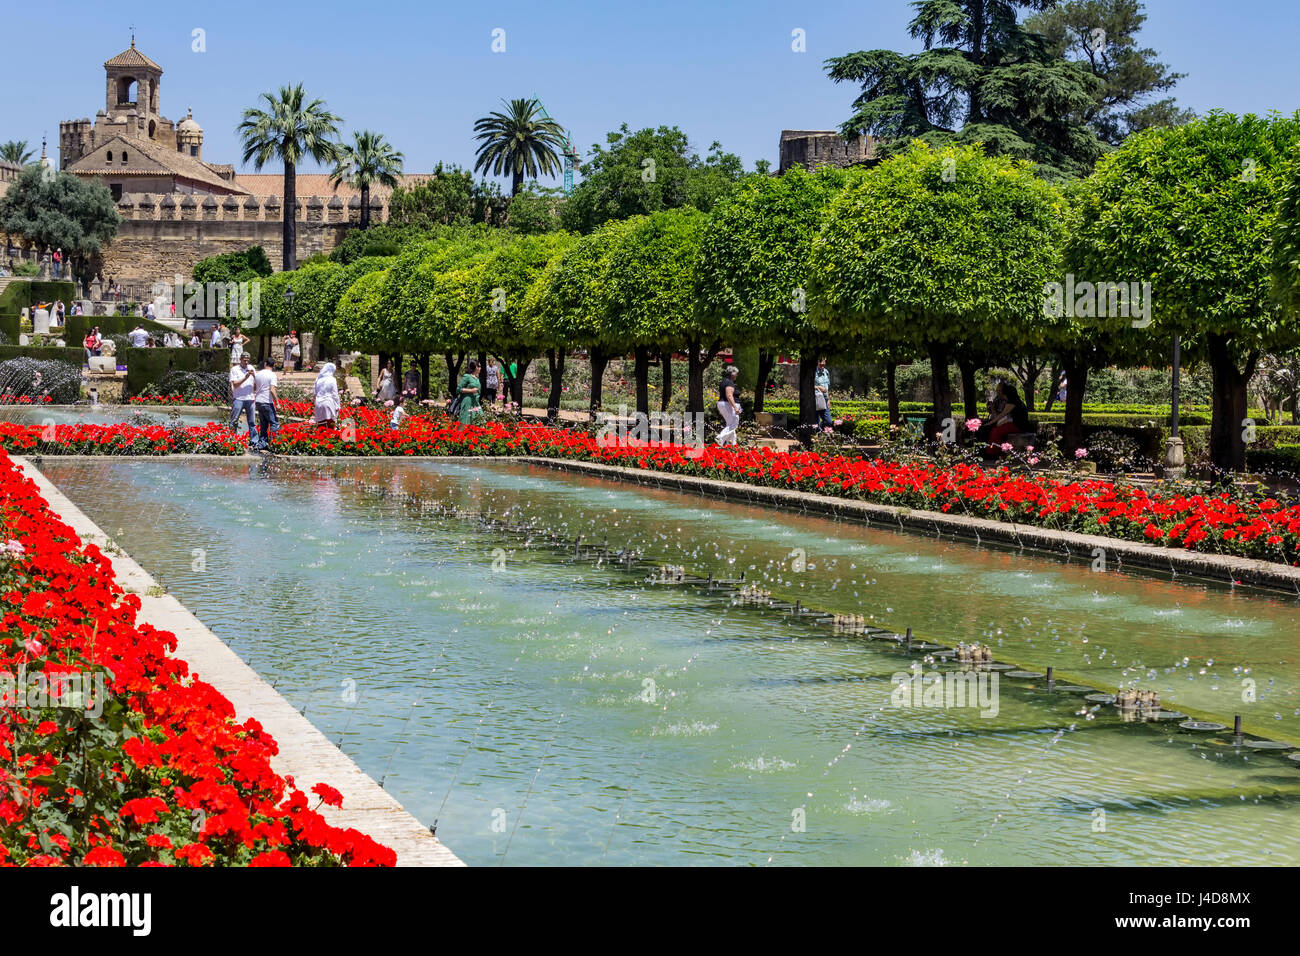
(453, 406)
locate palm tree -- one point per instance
(518, 142)
(289, 130)
(16, 151)
(370, 159)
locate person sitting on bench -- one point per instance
(1013, 419)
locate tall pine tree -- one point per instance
(982, 77)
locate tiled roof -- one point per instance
(133, 57)
(169, 160)
(316, 184)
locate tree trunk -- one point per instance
(1055, 387)
(365, 206)
(482, 372)
(642, 374)
(599, 359)
(1031, 383)
(967, 368)
(555, 362)
(941, 387)
(1230, 405)
(453, 360)
(667, 358)
(424, 375)
(766, 360)
(289, 258)
(698, 359)
(399, 370)
(807, 393)
(1072, 431)
(521, 363)
(891, 391)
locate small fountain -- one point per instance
(38, 380)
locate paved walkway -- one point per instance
(305, 753)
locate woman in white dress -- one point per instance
(237, 342)
(327, 396)
(385, 390)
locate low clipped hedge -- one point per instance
(75, 357)
(146, 367)
(1278, 458)
(78, 325)
(22, 294)
(11, 326)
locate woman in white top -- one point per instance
(327, 396)
(237, 345)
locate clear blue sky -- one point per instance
(422, 73)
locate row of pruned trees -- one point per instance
(948, 253)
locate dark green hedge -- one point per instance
(1277, 458)
(79, 325)
(21, 294)
(145, 367)
(11, 325)
(72, 356)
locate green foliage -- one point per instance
(16, 151)
(939, 246)
(644, 172)
(1286, 247)
(23, 295)
(982, 78)
(1101, 35)
(753, 268)
(521, 142)
(534, 210)
(62, 212)
(355, 319)
(564, 307)
(1192, 209)
(367, 161)
(242, 266)
(450, 197)
(495, 318)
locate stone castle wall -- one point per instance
(162, 235)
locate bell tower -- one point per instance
(131, 93)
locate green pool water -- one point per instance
(551, 710)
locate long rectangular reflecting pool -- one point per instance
(543, 707)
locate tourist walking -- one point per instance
(196, 340)
(822, 395)
(291, 349)
(327, 396)
(243, 390)
(138, 337)
(468, 408)
(385, 390)
(411, 385)
(729, 406)
(58, 313)
(58, 263)
(265, 382)
(215, 341)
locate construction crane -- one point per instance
(569, 151)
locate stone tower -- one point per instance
(131, 92)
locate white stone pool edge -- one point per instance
(306, 754)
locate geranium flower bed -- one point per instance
(1207, 521)
(111, 753)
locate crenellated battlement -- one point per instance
(196, 207)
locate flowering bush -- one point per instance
(111, 752)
